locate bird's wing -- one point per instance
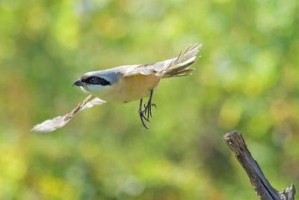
(60, 121)
(159, 68)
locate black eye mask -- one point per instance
(95, 80)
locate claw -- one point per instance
(146, 112)
(142, 118)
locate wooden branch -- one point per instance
(261, 185)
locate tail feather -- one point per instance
(181, 65)
(178, 66)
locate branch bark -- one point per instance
(261, 185)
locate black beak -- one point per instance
(78, 83)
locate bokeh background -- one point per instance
(246, 79)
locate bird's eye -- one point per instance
(95, 80)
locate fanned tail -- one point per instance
(181, 65)
(178, 66)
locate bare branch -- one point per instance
(258, 180)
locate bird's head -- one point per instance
(97, 81)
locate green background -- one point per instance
(246, 79)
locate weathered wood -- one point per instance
(261, 185)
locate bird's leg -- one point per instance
(148, 106)
(141, 114)
(146, 112)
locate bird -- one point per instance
(124, 84)
(128, 83)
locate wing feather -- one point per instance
(60, 121)
(160, 68)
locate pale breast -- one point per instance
(132, 88)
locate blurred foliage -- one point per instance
(247, 79)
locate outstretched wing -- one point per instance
(160, 68)
(60, 121)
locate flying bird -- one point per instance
(124, 84)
